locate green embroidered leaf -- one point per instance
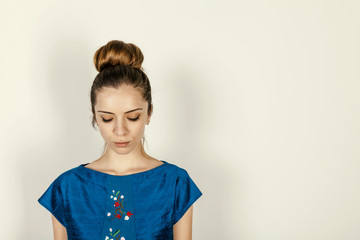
(117, 193)
(116, 233)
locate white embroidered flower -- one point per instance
(111, 196)
(115, 198)
(109, 214)
(126, 217)
(113, 191)
(110, 229)
(122, 238)
(106, 238)
(122, 196)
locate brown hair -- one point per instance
(119, 63)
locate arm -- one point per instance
(183, 228)
(59, 230)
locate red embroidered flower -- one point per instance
(117, 204)
(129, 214)
(118, 216)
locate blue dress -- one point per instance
(96, 205)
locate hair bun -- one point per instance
(117, 52)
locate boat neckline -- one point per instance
(82, 166)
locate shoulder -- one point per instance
(186, 191)
(67, 176)
(176, 168)
(177, 172)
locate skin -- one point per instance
(132, 158)
(59, 230)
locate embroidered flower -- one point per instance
(114, 196)
(128, 215)
(118, 212)
(118, 206)
(114, 235)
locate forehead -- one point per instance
(119, 99)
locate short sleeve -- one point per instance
(186, 193)
(52, 200)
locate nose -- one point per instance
(120, 127)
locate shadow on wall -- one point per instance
(192, 127)
(64, 61)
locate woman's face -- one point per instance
(121, 115)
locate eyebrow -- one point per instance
(124, 112)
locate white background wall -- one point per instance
(258, 100)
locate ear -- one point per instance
(148, 118)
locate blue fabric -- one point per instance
(96, 205)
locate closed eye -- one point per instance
(134, 119)
(106, 120)
(131, 119)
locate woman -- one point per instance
(125, 194)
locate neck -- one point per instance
(137, 158)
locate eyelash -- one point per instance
(131, 119)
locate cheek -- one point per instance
(104, 130)
(102, 133)
(138, 129)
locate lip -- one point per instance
(121, 144)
